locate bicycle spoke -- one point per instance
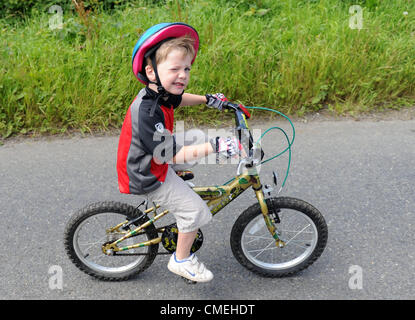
(255, 238)
(91, 243)
(100, 241)
(97, 257)
(293, 231)
(298, 245)
(297, 234)
(262, 250)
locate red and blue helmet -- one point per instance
(152, 38)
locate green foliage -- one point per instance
(296, 56)
(21, 8)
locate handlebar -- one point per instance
(241, 114)
(254, 157)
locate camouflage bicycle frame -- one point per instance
(217, 198)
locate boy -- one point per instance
(148, 152)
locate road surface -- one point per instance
(359, 174)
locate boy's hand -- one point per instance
(228, 147)
(216, 100)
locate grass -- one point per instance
(295, 56)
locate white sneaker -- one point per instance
(190, 268)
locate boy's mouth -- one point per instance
(179, 84)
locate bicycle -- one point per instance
(275, 237)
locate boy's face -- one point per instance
(174, 72)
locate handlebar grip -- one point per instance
(244, 110)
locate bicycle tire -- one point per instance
(245, 236)
(126, 212)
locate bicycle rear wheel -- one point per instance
(298, 224)
(86, 233)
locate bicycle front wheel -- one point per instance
(301, 227)
(88, 231)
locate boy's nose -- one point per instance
(182, 74)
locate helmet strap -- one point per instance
(163, 93)
(160, 87)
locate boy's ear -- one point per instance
(150, 73)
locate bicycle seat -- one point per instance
(185, 175)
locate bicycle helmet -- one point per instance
(151, 40)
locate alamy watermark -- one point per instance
(356, 20)
(356, 279)
(164, 150)
(55, 278)
(56, 20)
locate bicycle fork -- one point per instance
(265, 212)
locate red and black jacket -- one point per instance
(146, 143)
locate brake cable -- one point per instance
(286, 136)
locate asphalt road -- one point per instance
(359, 174)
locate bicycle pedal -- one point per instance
(189, 281)
(185, 175)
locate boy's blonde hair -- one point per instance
(184, 44)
